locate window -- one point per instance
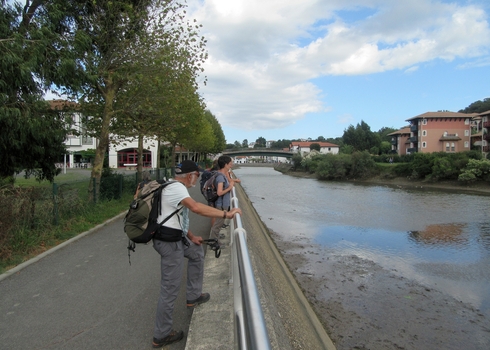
(424, 133)
(467, 122)
(424, 144)
(424, 121)
(452, 146)
(466, 133)
(447, 146)
(466, 144)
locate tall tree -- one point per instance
(361, 138)
(260, 142)
(112, 40)
(219, 136)
(31, 133)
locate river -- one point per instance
(367, 254)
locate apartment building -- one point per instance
(400, 141)
(483, 129)
(441, 131)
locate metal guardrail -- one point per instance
(250, 330)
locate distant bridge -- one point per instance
(259, 153)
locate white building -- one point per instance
(304, 147)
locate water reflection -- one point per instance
(448, 234)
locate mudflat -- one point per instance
(363, 305)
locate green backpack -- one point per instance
(140, 222)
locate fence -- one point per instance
(28, 213)
(250, 329)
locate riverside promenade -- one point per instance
(84, 294)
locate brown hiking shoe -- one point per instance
(173, 337)
(201, 300)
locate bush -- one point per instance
(422, 165)
(402, 169)
(363, 166)
(476, 170)
(334, 167)
(444, 168)
(296, 160)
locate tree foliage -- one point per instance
(260, 142)
(477, 106)
(219, 141)
(315, 146)
(103, 50)
(31, 134)
(361, 138)
(281, 144)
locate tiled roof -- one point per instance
(62, 104)
(308, 143)
(405, 130)
(447, 114)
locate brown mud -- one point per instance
(365, 306)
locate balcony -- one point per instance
(486, 148)
(450, 137)
(413, 139)
(412, 150)
(414, 128)
(394, 141)
(486, 136)
(486, 124)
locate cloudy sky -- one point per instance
(288, 69)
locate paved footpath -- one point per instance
(86, 295)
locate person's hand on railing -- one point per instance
(230, 214)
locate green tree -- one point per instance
(385, 147)
(219, 137)
(245, 143)
(281, 144)
(113, 40)
(296, 160)
(361, 138)
(31, 134)
(384, 132)
(315, 146)
(477, 106)
(260, 142)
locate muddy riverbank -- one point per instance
(365, 306)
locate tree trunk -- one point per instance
(101, 149)
(140, 157)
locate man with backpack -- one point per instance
(174, 241)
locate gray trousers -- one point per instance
(172, 266)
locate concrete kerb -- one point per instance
(212, 325)
(59, 246)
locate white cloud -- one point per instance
(265, 54)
